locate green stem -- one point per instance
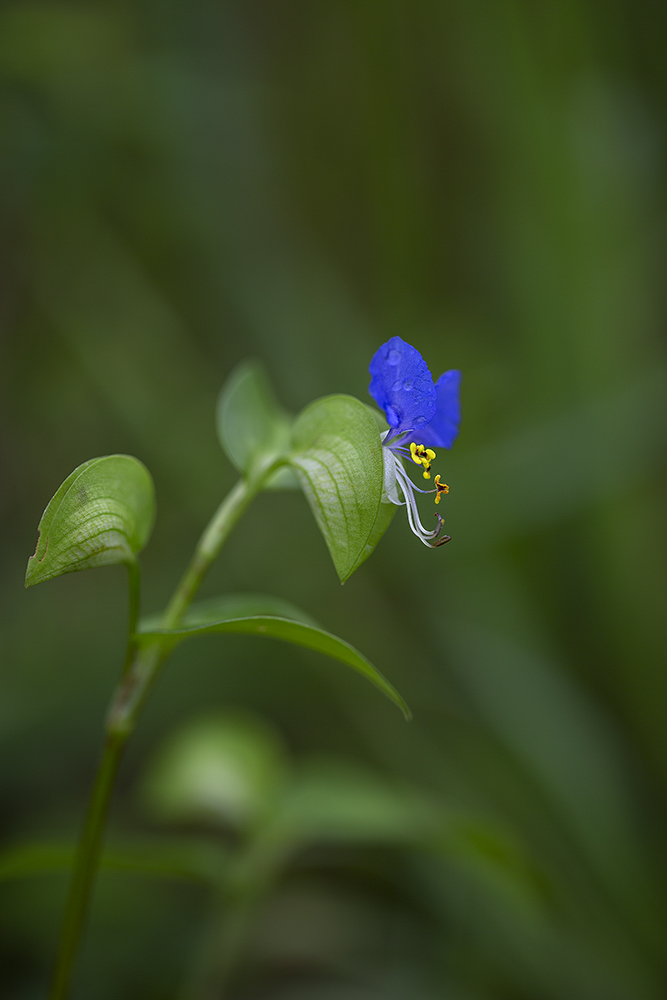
(208, 547)
(85, 866)
(134, 591)
(141, 667)
(134, 582)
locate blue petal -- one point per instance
(442, 430)
(402, 385)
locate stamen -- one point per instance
(407, 487)
(422, 456)
(445, 538)
(441, 488)
(398, 484)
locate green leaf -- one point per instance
(338, 459)
(253, 428)
(299, 633)
(385, 516)
(102, 514)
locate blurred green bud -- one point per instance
(224, 770)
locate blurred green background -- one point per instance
(184, 185)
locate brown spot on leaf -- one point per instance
(39, 542)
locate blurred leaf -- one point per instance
(252, 426)
(496, 859)
(331, 800)
(271, 625)
(338, 459)
(553, 728)
(201, 862)
(52, 43)
(102, 514)
(222, 767)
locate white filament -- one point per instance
(398, 478)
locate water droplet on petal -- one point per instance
(393, 357)
(419, 421)
(397, 386)
(408, 385)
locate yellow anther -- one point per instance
(422, 456)
(441, 488)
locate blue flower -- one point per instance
(422, 415)
(403, 387)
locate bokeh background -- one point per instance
(185, 185)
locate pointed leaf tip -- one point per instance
(102, 514)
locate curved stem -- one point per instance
(141, 667)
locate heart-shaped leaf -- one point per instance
(299, 633)
(337, 457)
(102, 514)
(253, 428)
